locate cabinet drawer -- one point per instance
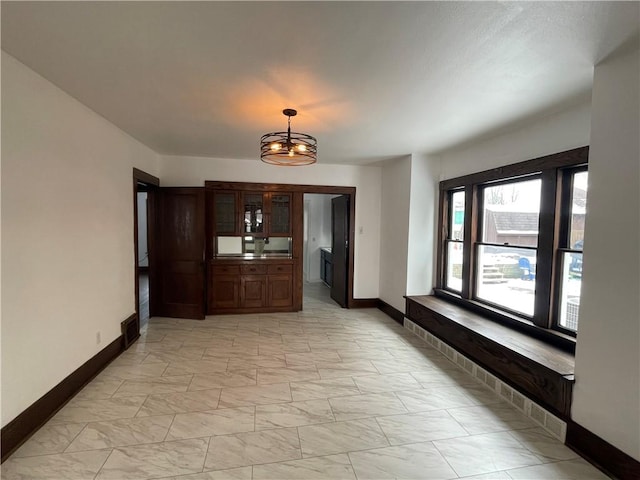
(253, 269)
(280, 269)
(226, 269)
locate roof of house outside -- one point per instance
(515, 222)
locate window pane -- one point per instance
(253, 213)
(511, 212)
(506, 277)
(456, 216)
(570, 290)
(578, 210)
(454, 266)
(225, 212)
(280, 214)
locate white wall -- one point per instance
(551, 134)
(396, 184)
(408, 238)
(606, 397)
(193, 171)
(422, 236)
(143, 257)
(67, 218)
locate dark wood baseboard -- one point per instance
(16, 432)
(364, 303)
(601, 453)
(393, 312)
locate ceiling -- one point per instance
(371, 80)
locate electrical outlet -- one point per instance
(98, 338)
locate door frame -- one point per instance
(150, 184)
(332, 190)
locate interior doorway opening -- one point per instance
(326, 230)
(142, 199)
(144, 190)
(317, 261)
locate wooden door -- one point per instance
(340, 248)
(181, 235)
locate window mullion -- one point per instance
(547, 243)
(470, 236)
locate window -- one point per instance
(570, 251)
(511, 241)
(507, 250)
(455, 243)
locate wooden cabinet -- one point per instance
(326, 266)
(253, 291)
(224, 287)
(251, 262)
(259, 214)
(266, 214)
(250, 286)
(280, 285)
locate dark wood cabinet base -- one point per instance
(250, 286)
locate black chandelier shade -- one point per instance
(288, 148)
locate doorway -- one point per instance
(317, 262)
(327, 263)
(143, 254)
(145, 187)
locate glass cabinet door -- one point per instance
(225, 213)
(280, 214)
(253, 207)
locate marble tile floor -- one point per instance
(325, 393)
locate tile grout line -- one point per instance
(552, 424)
(445, 458)
(103, 463)
(206, 454)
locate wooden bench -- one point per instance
(542, 372)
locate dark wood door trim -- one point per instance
(298, 240)
(143, 182)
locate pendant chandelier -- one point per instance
(288, 148)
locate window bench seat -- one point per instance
(542, 372)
